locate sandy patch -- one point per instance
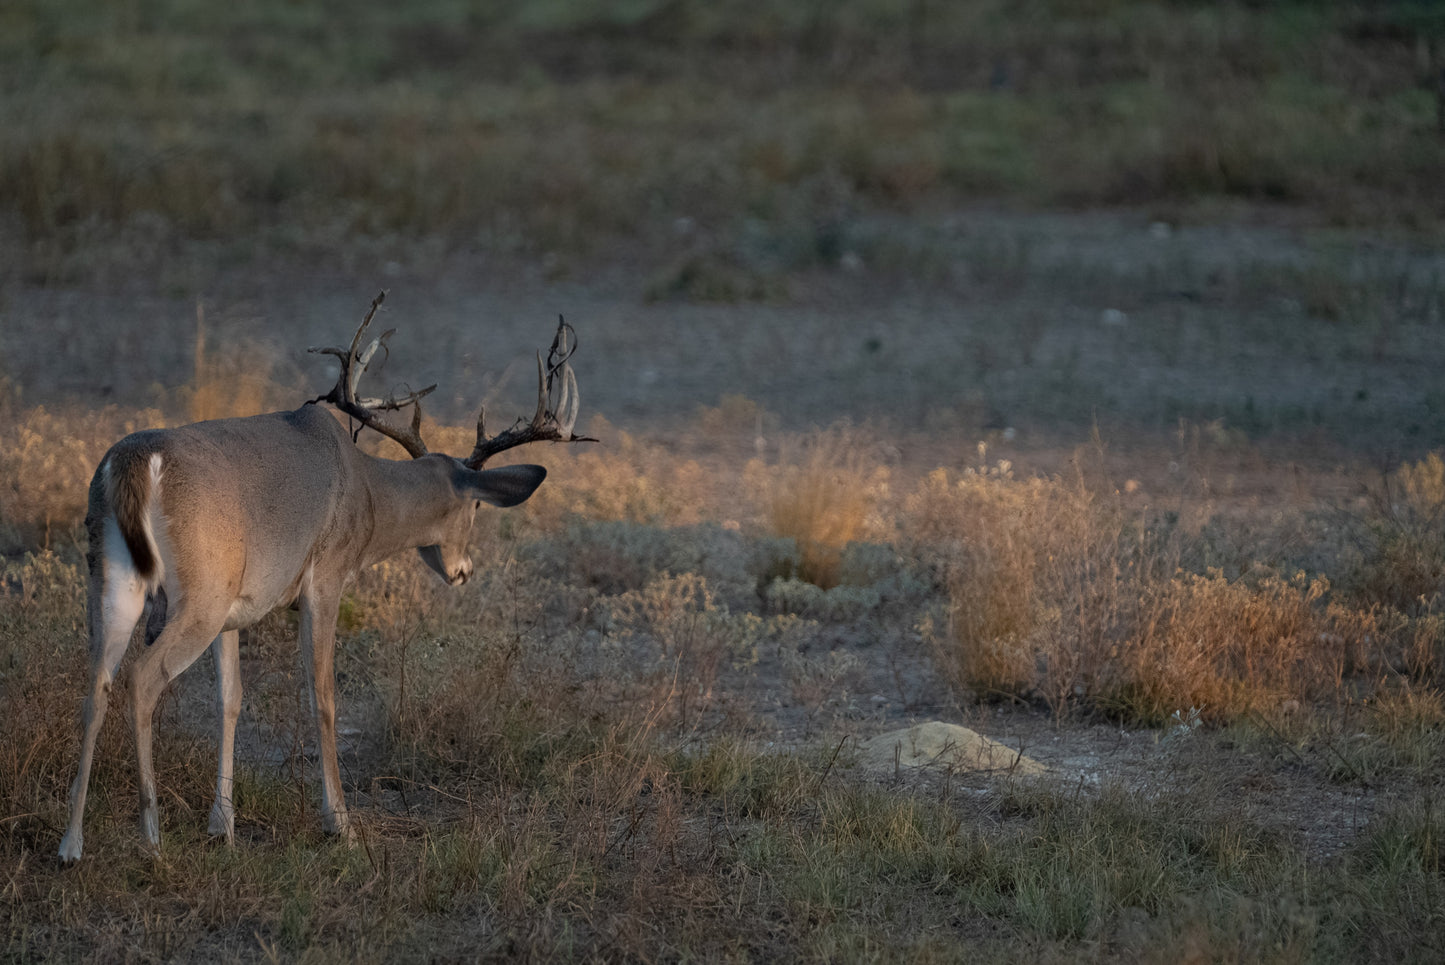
(944, 746)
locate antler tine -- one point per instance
(570, 400)
(567, 414)
(567, 397)
(544, 386)
(548, 424)
(363, 361)
(343, 393)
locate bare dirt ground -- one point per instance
(1046, 324)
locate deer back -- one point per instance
(238, 507)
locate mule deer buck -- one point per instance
(215, 524)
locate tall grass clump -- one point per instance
(1231, 647)
(823, 500)
(1396, 565)
(1401, 561)
(1036, 576)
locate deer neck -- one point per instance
(408, 502)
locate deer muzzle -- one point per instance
(461, 574)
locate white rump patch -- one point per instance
(124, 592)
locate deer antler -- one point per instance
(343, 393)
(551, 422)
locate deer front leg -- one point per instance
(318, 646)
(226, 649)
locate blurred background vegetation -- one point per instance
(557, 124)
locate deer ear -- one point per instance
(507, 486)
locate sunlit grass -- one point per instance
(537, 757)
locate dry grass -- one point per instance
(46, 459)
(555, 777)
(823, 498)
(43, 656)
(1054, 590)
(236, 379)
(1037, 573)
(558, 764)
(1402, 556)
(679, 639)
(43, 618)
(1056, 593)
(1234, 647)
(629, 479)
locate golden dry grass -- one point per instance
(557, 748)
(823, 498)
(46, 459)
(1036, 575)
(1053, 590)
(1230, 647)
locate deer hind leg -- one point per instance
(226, 650)
(318, 645)
(191, 627)
(115, 597)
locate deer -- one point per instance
(210, 526)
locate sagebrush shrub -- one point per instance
(674, 638)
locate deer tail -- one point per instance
(133, 476)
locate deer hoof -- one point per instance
(223, 824)
(70, 848)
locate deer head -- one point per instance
(553, 420)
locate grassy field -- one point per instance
(563, 127)
(1062, 369)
